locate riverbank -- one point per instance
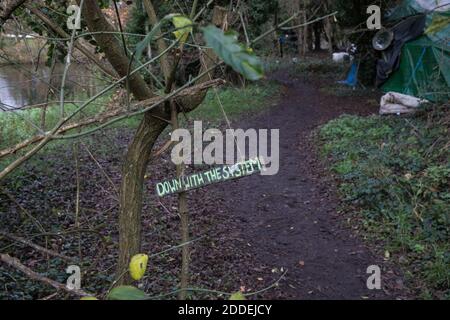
(22, 51)
(33, 51)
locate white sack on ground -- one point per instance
(340, 57)
(397, 103)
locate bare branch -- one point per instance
(20, 146)
(50, 135)
(58, 30)
(96, 21)
(25, 211)
(7, 8)
(37, 247)
(165, 65)
(15, 263)
(101, 118)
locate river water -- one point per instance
(19, 88)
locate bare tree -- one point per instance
(158, 112)
(155, 120)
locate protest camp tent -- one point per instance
(424, 65)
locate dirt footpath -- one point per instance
(290, 220)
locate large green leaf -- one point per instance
(234, 54)
(127, 293)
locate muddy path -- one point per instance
(290, 221)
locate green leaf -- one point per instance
(184, 27)
(234, 54)
(88, 298)
(237, 296)
(127, 293)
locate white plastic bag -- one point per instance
(397, 103)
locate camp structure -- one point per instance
(417, 63)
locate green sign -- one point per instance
(216, 175)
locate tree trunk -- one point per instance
(329, 30)
(131, 192)
(139, 151)
(305, 34)
(317, 36)
(329, 34)
(299, 31)
(310, 39)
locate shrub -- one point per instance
(397, 170)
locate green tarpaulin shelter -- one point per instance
(424, 62)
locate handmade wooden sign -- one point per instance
(216, 175)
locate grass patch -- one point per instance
(236, 102)
(318, 66)
(396, 171)
(341, 90)
(321, 68)
(16, 126)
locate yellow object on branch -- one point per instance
(138, 266)
(183, 26)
